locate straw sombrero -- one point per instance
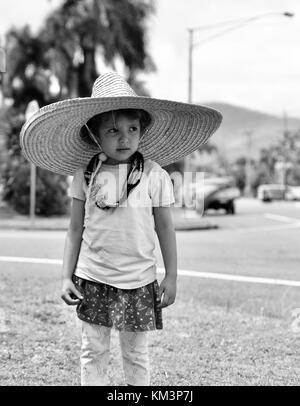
(50, 138)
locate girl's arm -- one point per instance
(71, 252)
(166, 235)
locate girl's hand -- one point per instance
(69, 291)
(167, 288)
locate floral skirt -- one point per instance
(123, 309)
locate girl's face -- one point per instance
(119, 137)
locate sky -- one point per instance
(255, 66)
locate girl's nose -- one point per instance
(124, 137)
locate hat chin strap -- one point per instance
(102, 155)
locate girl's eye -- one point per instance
(115, 131)
(112, 130)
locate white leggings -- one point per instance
(95, 351)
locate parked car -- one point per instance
(267, 193)
(270, 192)
(293, 193)
(216, 193)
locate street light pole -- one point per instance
(248, 165)
(32, 108)
(233, 25)
(2, 71)
(190, 88)
(190, 78)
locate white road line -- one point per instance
(41, 235)
(32, 260)
(284, 219)
(181, 272)
(237, 278)
(266, 228)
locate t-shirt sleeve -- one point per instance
(78, 186)
(161, 188)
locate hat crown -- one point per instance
(111, 85)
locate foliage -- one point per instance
(83, 30)
(238, 171)
(280, 163)
(51, 197)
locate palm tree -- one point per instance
(28, 73)
(81, 31)
(68, 46)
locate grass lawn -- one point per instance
(217, 333)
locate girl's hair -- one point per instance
(95, 122)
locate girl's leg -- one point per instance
(135, 355)
(94, 354)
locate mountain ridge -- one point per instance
(244, 130)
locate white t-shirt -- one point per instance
(118, 244)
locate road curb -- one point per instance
(185, 226)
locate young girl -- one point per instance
(114, 144)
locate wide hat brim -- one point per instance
(50, 138)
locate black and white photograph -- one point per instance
(149, 195)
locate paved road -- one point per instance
(252, 213)
(261, 240)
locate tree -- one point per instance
(83, 30)
(280, 163)
(28, 73)
(238, 171)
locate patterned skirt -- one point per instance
(123, 309)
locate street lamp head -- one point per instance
(288, 14)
